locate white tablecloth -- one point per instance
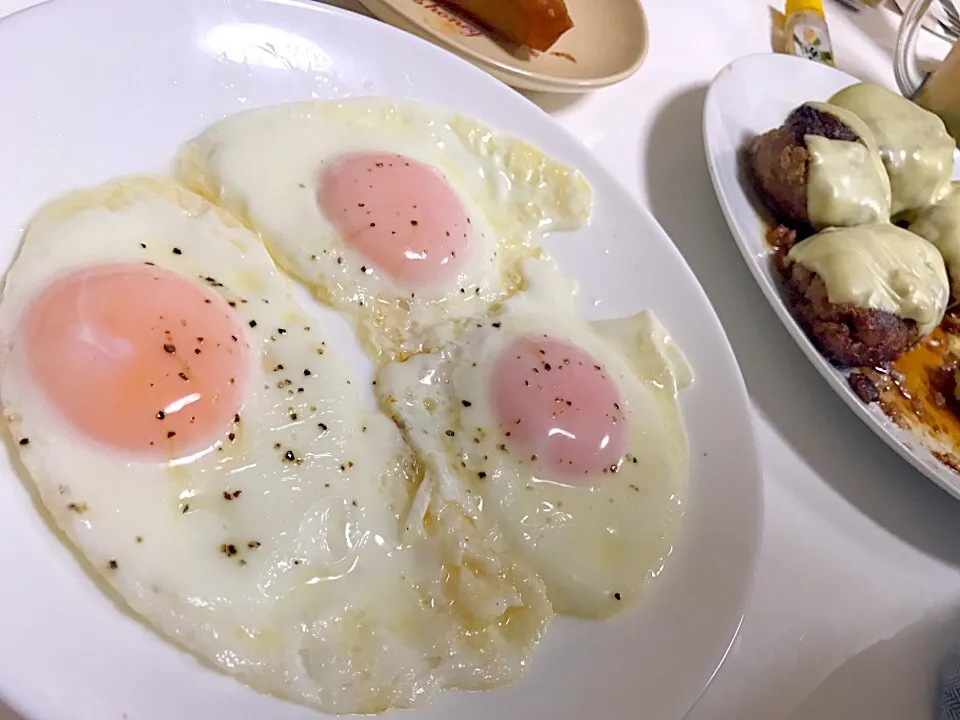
(858, 587)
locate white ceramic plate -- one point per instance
(98, 88)
(607, 43)
(749, 97)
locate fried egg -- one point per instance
(565, 434)
(191, 432)
(399, 214)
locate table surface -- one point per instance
(858, 588)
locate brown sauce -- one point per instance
(918, 393)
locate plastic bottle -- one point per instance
(805, 31)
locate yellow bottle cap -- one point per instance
(794, 6)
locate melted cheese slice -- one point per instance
(846, 182)
(879, 267)
(940, 224)
(914, 144)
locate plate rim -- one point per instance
(751, 553)
(899, 440)
(387, 11)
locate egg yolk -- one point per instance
(137, 358)
(555, 403)
(399, 214)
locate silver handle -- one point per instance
(905, 68)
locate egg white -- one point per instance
(263, 165)
(301, 575)
(595, 545)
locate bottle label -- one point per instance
(812, 43)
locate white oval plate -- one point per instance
(98, 88)
(748, 97)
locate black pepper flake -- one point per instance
(231, 437)
(161, 414)
(546, 366)
(182, 376)
(278, 368)
(339, 261)
(450, 433)
(177, 251)
(466, 403)
(253, 323)
(288, 455)
(253, 544)
(196, 351)
(414, 223)
(236, 418)
(169, 348)
(186, 508)
(227, 495)
(170, 434)
(24, 441)
(322, 426)
(143, 245)
(139, 539)
(228, 549)
(113, 565)
(307, 373)
(281, 331)
(496, 324)
(616, 596)
(231, 303)
(481, 475)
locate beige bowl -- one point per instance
(606, 45)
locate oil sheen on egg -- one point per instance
(565, 434)
(399, 214)
(192, 433)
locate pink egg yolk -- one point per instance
(399, 214)
(555, 403)
(137, 358)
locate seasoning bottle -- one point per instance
(805, 31)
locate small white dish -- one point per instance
(607, 43)
(748, 97)
(68, 651)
